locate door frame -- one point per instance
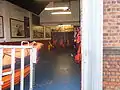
(92, 44)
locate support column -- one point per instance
(92, 44)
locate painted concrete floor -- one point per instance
(55, 71)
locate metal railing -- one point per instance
(33, 54)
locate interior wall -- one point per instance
(47, 19)
(15, 12)
(2, 14)
(9, 10)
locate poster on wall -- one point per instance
(17, 28)
(38, 32)
(1, 27)
(47, 32)
(62, 28)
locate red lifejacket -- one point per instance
(62, 43)
(78, 56)
(68, 43)
(54, 42)
(78, 39)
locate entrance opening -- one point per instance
(55, 24)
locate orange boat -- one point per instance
(7, 64)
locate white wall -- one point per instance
(9, 10)
(47, 19)
(1, 8)
(1, 14)
(13, 11)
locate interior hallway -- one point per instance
(56, 70)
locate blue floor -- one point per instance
(56, 71)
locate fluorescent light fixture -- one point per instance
(64, 25)
(61, 13)
(57, 8)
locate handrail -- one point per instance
(33, 55)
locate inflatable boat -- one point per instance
(7, 64)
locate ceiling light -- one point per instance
(64, 25)
(57, 8)
(61, 13)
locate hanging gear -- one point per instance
(77, 41)
(78, 55)
(62, 43)
(50, 46)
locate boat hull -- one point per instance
(7, 64)
(7, 79)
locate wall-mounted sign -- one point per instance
(62, 28)
(38, 32)
(47, 32)
(17, 28)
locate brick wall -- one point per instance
(111, 23)
(111, 67)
